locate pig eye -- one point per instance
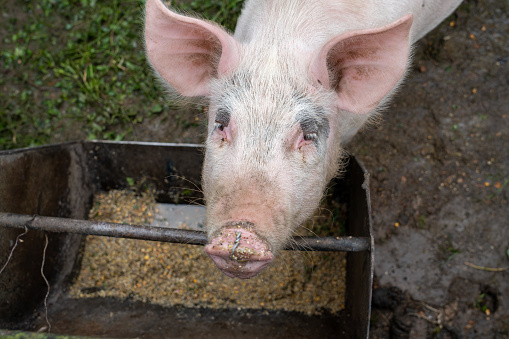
(310, 136)
(219, 125)
(222, 119)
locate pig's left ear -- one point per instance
(186, 52)
(364, 66)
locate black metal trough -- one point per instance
(48, 191)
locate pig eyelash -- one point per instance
(222, 120)
(306, 139)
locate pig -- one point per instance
(286, 91)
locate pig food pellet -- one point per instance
(176, 274)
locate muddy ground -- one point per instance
(439, 166)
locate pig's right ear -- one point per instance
(186, 52)
(363, 67)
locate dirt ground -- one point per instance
(439, 169)
(439, 165)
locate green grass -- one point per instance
(76, 69)
(225, 12)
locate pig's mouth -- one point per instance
(239, 252)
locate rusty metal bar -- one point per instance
(335, 244)
(142, 232)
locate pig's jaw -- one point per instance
(238, 252)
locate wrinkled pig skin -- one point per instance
(294, 83)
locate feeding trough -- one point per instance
(47, 192)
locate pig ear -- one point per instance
(364, 66)
(186, 52)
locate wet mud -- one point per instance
(439, 166)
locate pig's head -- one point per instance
(278, 114)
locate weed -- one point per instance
(77, 68)
(224, 12)
(453, 251)
(421, 220)
(480, 302)
(450, 251)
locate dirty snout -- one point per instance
(238, 251)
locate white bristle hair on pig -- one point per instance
(286, 91)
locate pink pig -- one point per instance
(294, 83)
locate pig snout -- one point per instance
(239, 252)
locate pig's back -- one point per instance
(313, 22)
